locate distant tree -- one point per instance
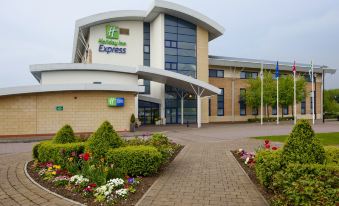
(286, 91)
(331, 101)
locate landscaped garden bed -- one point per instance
(103, 170)
(302, 172)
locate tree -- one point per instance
(331, 101)
(286, 91)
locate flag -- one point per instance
(277, 71)
(294, 68)
(262, 92)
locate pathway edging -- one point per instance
(47, 190)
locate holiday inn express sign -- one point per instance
(112, 44)
(115, 101)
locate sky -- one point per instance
(40, 31)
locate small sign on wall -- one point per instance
(116, 101)
(59, 108)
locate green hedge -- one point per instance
(307, 184)
(64, 135)
(332, 155)
(267, 163)
(270, 119)
(58, 153)
(135, 160)
(303, 146)
(102, 140)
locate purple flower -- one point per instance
(130, 180)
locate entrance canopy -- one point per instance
(177, 80)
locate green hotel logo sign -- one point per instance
(112, 32)
(115, 101)
(112, 44)
(59, 108)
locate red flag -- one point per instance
(294, 68)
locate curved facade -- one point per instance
(152, 63)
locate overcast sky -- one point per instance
(40, 31)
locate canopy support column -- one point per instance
(182, 96)
(198, 92)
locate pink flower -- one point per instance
(81, 156)
(267, 146)
(274, 148)
(267, 141)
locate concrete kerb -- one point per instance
(249, 178)
(47, 190)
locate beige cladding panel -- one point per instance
(84, 111)
(202, 67)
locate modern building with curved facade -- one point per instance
(153, 63)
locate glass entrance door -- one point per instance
(171, 116)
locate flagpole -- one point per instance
(277, 100)
(277, 76)
(295, 94)
(262, 93)
(312, 92)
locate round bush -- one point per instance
(303, 146)
(64, 135)
(158, 139)
(103, 139)
(135, 160)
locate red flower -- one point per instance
(267, 141)
(126, 186)
(86, 156)
(274, 148)
(92, 185)
(267, 146)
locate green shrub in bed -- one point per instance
(64, 135)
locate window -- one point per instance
(220, 103)
(248, 75)
(254, 111)
(242, 102)
(274, 110)
(303, 106)
(209, 106)
(216, 73)
(285, 110)
(147, 56)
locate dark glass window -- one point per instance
(248, 75)
(303, 106)
(209, 106)
(220, 103)
(285, 110)
(311, 103)
(216, 73)
(274, 110)
(147, 56)
(242, 102)
(254, 111)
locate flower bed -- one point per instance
(303, 172)
(87, 174)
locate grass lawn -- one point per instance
(331, 138)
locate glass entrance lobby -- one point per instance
(148, 112)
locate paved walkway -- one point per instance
(204, 173)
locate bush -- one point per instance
(307, 184)
(35, 151)
(58, 153)
(332, 155)
(303, 146)
(136, 141)
(102, 140)
(64, 135)
(135, 160)
(267, 163)
(158, 139)
(132, 120)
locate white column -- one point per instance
(136, 103)
(199, 110)
(182, 108)
(162, 105)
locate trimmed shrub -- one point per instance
(332, 155)
(135, 160)
(158, 139)
(135, 141)
(103, 139)
(267, 163)
(58, 153)
(64, 135)
(303, 146)
(35, 151)
(307, 184)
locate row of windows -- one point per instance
(216, 73)
(147, 55)
(242, 105)
(248, 75)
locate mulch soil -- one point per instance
(268, 195)
(141, 189)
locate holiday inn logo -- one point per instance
(112, 32)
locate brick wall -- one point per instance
(84, 111)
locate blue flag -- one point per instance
(277, 71)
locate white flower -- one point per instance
(121, 192)
(116, 182)
(247, 159)
(78, 179)
(241, 150)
